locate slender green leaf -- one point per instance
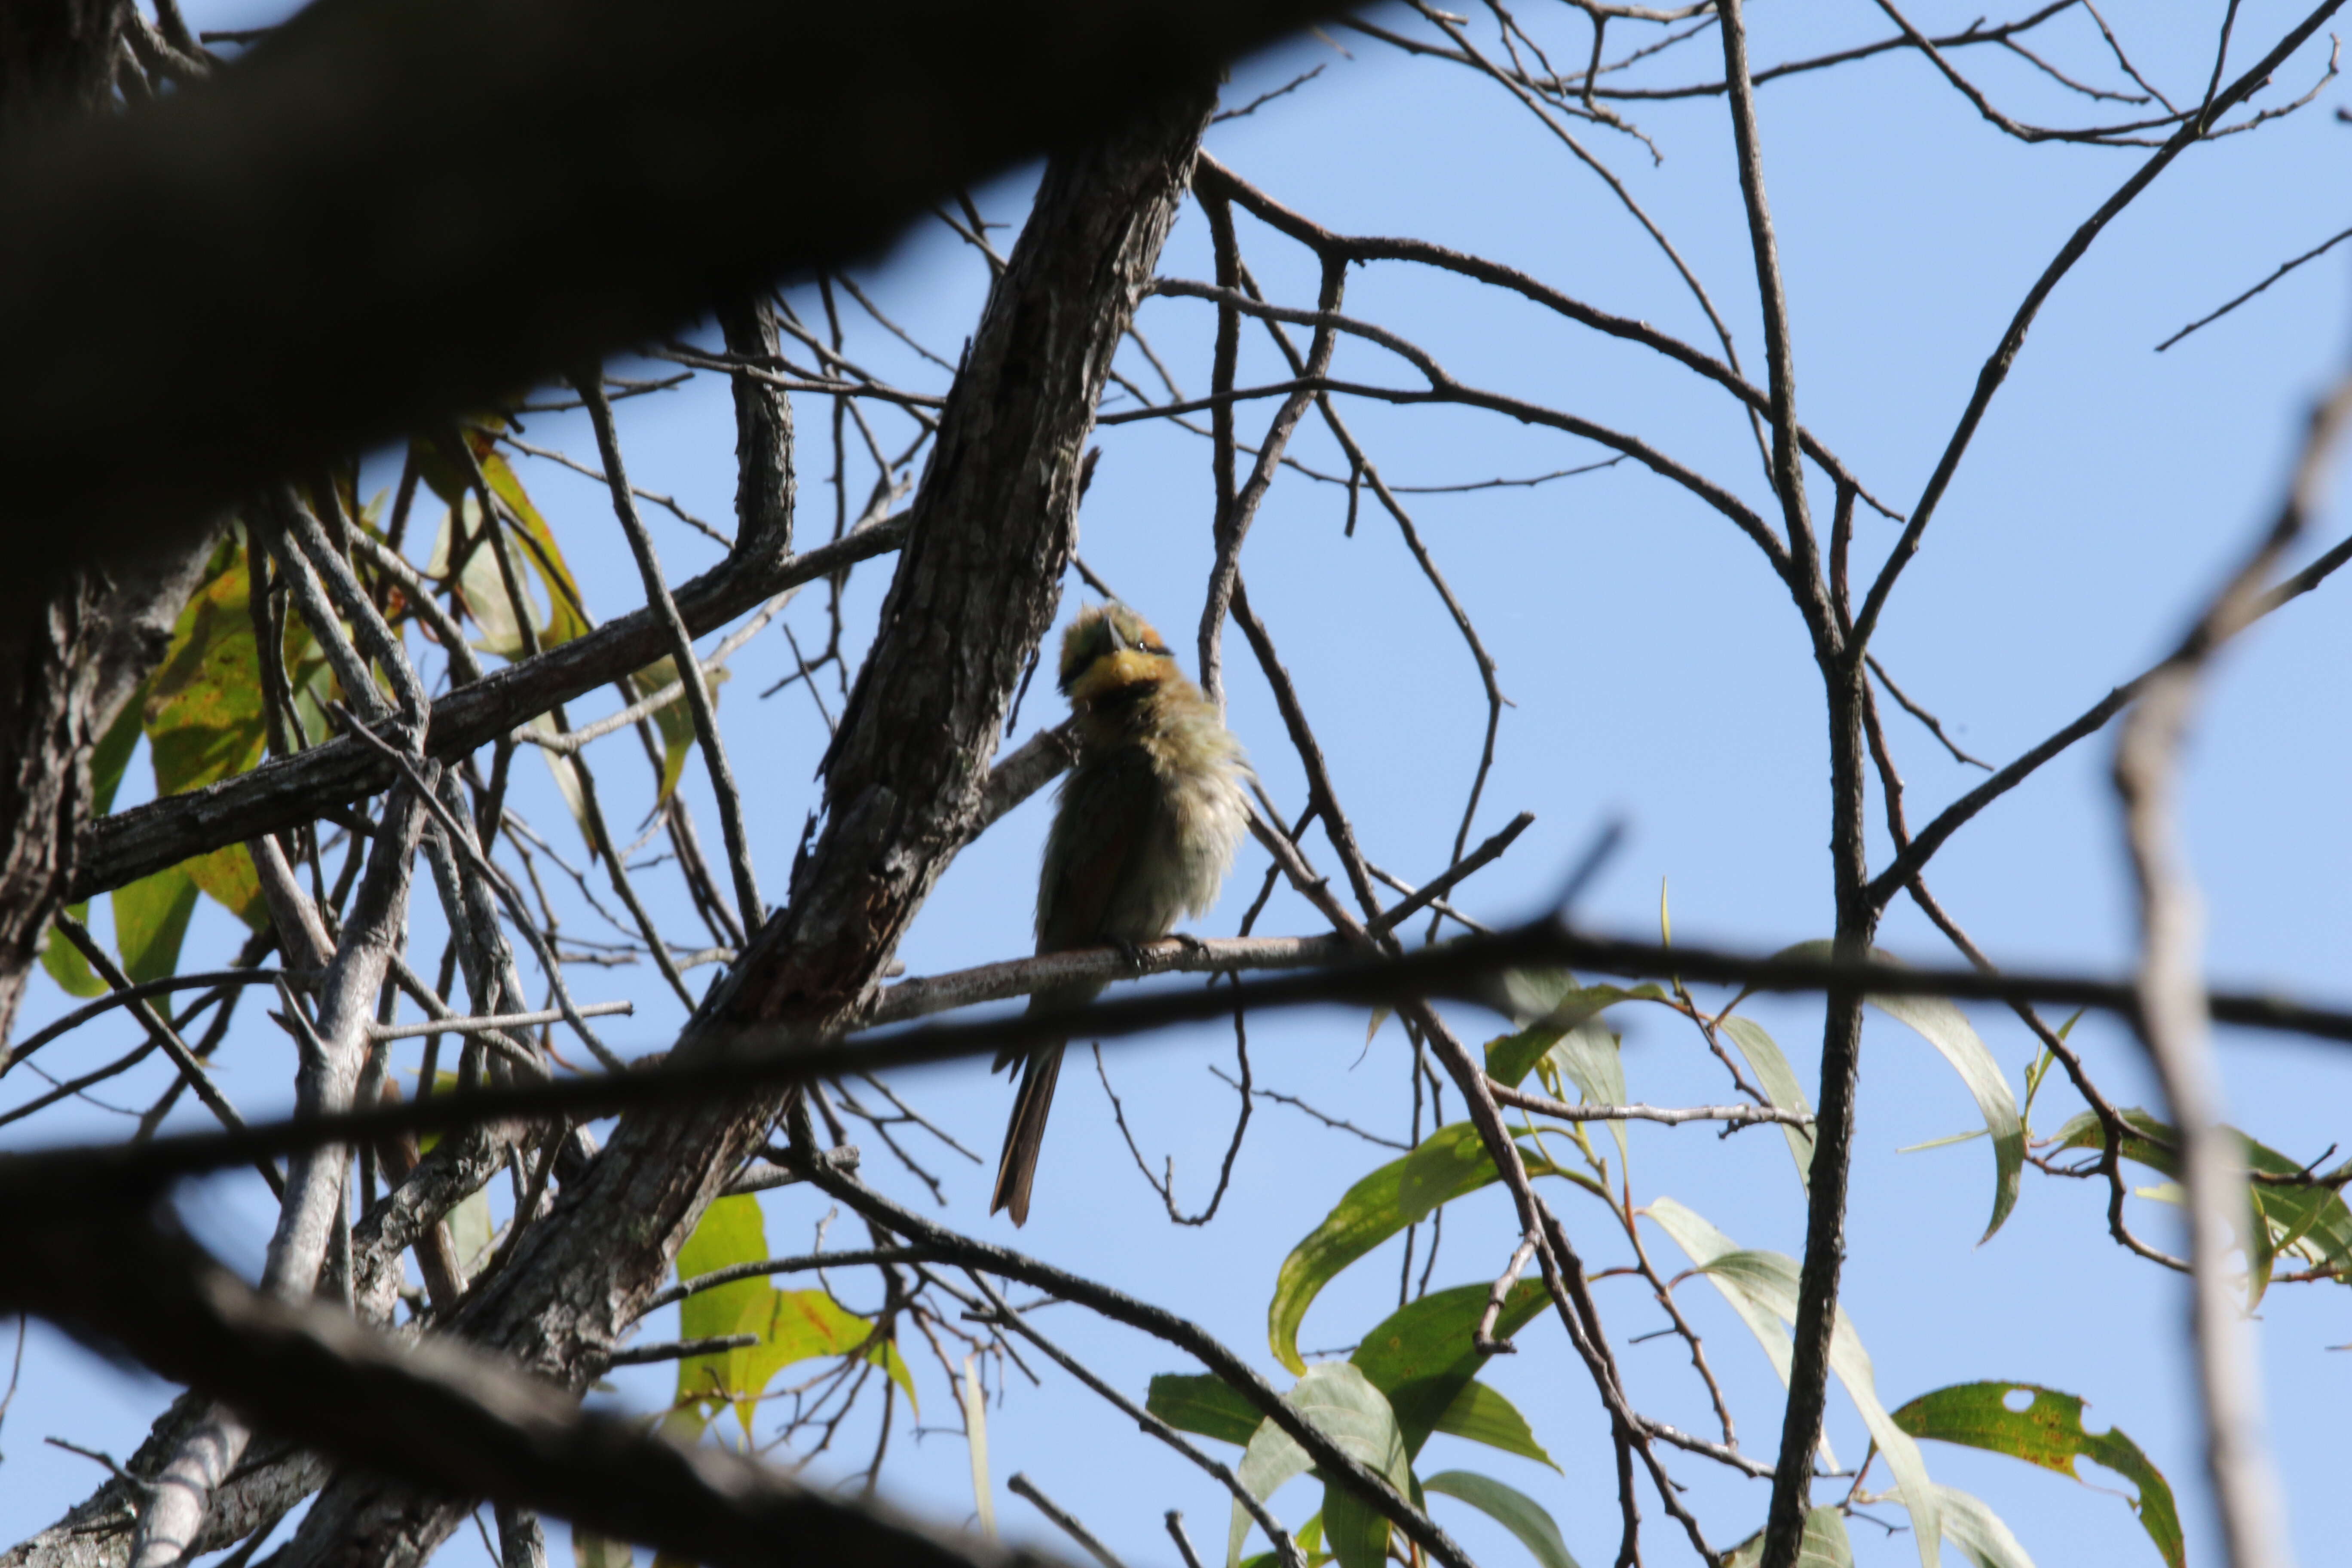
(567, 617)
(2047, 1432)
(1972, 1526)
(1762, 1287)
(1451, 1162)
(975, 1432)
(1549, 1003)
(1825, 1546)
(1703, 1244)
(1771, 1280)
(673, 719)
(1946, 1027)
(1778, 1082)
(1510, 1508)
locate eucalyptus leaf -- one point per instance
(1778, 1082)
(1510, 1508)
(1825, 1546)
(1340, 1402)
(1421, 1357)
(1451, 1162)
(2047, 1432)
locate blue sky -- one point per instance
(1659, 676)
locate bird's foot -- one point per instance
(1189, 944)
(1133, 952)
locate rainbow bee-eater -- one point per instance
(1144, 832)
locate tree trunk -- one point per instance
(976, 587)
(67, 660)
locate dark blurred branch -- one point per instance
(330, 189)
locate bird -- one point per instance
(1144, 832)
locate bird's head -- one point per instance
(1109, 651)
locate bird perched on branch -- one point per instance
(1144, 831)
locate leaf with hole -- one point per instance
(2046, 1430)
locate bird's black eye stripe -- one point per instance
(1155, 649)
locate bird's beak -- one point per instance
(1118, 638)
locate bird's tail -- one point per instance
(1024, 1134)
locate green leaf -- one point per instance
(2049, 1432)
(1549, 1003)
(1703, 1244)
(1451, 1162)
(2311, 1221)
(1944, 1027)
(975, 1434)
(792, 1325)
(1771, 1280)
(1339, 1401)
(202, 716)
(885, 1355)
(1778, 1082)
(566, 618)
(65, 965)
(1421, 1358)
(1762, 1287)
(151, 917)
(1980, 1534)
(1509, 1507)
(673, 719)
(1203, 1403)
(472, 1229)
(480, 584)
(1824, 1546)
(1482, 1415)
(202, 708)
